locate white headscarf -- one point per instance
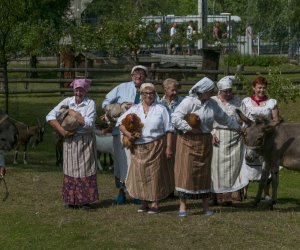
(203, 86)
(225, 82)
(147, 85)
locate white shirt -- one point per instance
(189, 32)
(87, 108)
(172, 31)
(208, 112)
(252, 111)
(229, 108)
(156, 124)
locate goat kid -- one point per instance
(28, 134)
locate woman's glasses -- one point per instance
(227, 91)
(138, 74)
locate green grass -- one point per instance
(33, 216)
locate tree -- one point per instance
(26, 28)
(11, 13)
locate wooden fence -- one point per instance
(156, 75)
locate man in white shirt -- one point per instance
(125, 92)
(172, 41)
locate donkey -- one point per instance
(8, 132)
(277, 143)
(26, 134)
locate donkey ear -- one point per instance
(271, 126)
(243, 117)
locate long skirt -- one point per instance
(193, 165)
(122, 161)
(80, 166)
(149, 177)
(227, 163)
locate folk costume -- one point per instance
(254, 170)
(194, 151)
(79, 152)
(227, 179)
(149, 178)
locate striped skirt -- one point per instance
(193, 165)
(227, 163)
(149, 176)
(80, 166)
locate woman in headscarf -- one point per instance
(79, 148)
(228, 153)
(194, 145)
(149, 179)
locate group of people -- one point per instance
(174, 46)
(171, 154)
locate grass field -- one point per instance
(33, 216)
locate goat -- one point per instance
(26, 134)
(104, 144)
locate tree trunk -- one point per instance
(5, 76)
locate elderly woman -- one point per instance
(171, 100)
(228, 153)
(194, 145)
(259, 104)
(79, 148)
(148, 177)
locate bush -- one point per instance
(248, 60)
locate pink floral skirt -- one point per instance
(80, 191)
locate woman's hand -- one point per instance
(169, 152)
(65, 133)
(215, 140)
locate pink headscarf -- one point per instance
(81, 83)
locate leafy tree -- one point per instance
(26, 27)
(11, 13)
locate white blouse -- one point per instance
(252, 111)
(87, 108)
(156, 123)
(229, 108)
(208, 112)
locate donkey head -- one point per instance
(257, 131)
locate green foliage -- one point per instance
(281, 88)
(254, 60)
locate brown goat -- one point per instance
(26, 134)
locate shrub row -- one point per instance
(249, 60)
